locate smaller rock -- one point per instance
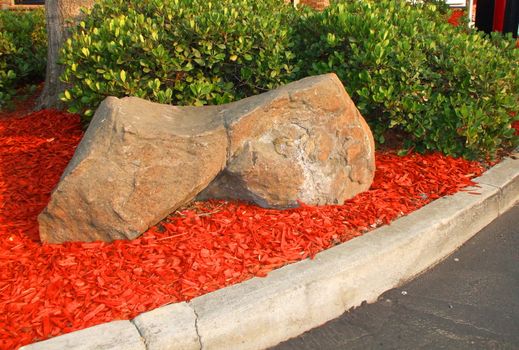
(137, 163)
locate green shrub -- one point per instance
(23, 51)
(446, 88)
(181, 51)
(449, 89)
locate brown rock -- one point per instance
(138, 162)
(303, 142)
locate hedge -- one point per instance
(444, 88)
(185, 52)
(23, 51)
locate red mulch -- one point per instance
(47, 290)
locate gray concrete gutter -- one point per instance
(262, 312)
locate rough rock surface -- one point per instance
(139, 161)
(303, 142)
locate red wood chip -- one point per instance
(47, 290)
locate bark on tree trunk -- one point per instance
(60, 14)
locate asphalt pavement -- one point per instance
(469, 301)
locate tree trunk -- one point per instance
(61, 15)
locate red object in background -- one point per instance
(499, 15)
(454, 19)
(47, 290)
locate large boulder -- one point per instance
(305, 142)
(139, 161)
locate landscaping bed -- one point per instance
(430, 85)
(47, 290)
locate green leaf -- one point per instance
(122, 75)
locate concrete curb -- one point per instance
(107, 336)
(262, 312)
